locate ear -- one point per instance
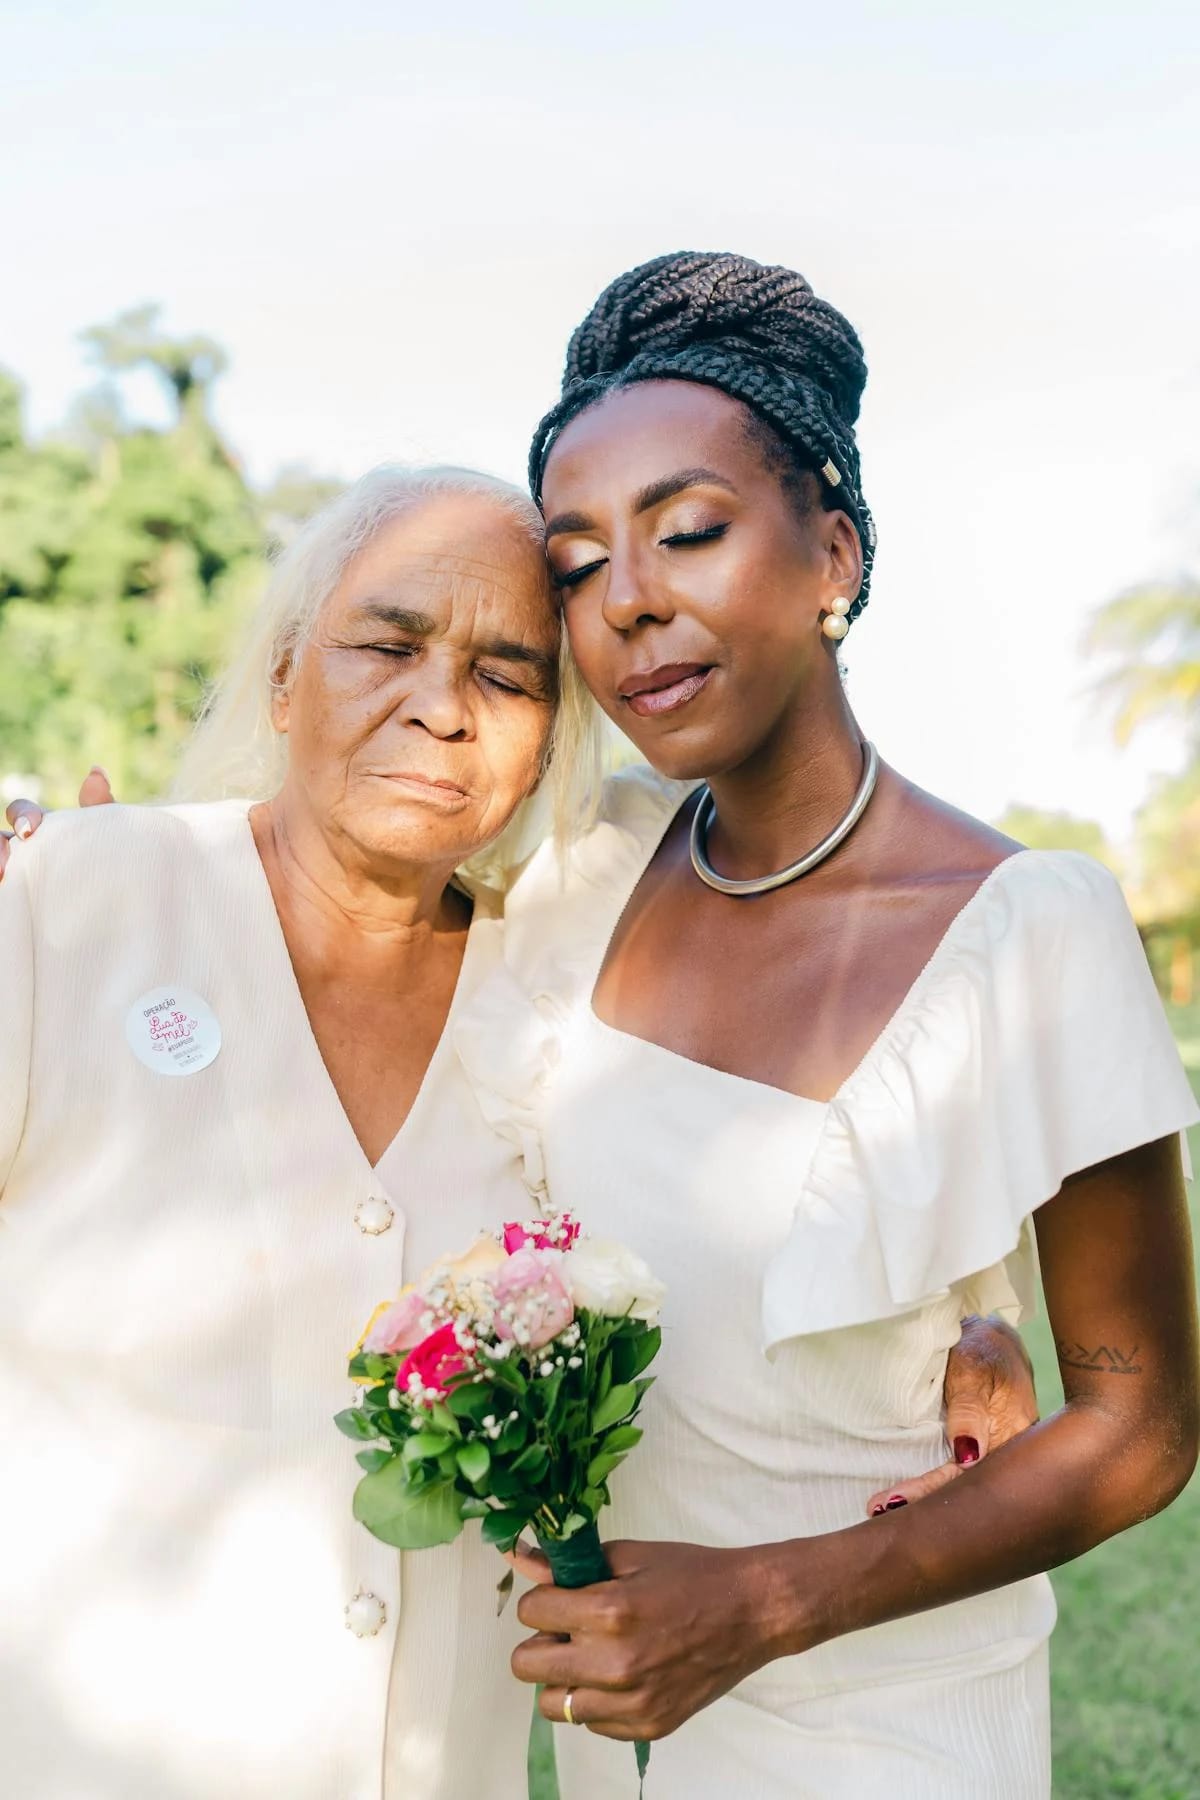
(845, 553)
(281, 696)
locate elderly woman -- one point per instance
(231, 1119)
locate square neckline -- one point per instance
(891, 1025)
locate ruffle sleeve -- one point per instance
(1033, 1045)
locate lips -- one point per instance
(662, 690)
(439, 792)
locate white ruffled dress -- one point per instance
(819, 1258)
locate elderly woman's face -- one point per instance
(420, 713)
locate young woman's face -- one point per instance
(692, 588)
(419, 715)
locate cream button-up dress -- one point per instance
(819, 1259)
(186, 1259)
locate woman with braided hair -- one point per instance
(826, 1051)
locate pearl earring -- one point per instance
(836, 624)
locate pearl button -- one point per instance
(366, 1615)
(374, 1215)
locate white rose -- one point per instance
(607, 1278)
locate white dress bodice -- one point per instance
(819, 1258)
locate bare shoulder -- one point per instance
(927, 842)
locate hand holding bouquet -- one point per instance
(503, 1386)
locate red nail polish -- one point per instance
(893, 1504)
(966, 1450)
(876, 1510)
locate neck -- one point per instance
(793, 791)
(329, 887)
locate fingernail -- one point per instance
(97, 770)
(895, 1501)
(876, 1510)
(23, 826)
(966, 1450)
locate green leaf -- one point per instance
(623, 1438)
(509, 1375)
(504, 1528)
(445, 1419)
(645, 1349)
(471, 1400)
(407, 1517)
(601, 1467)
(473, 1508)
(592, 1500)
(380, 1368)
(371, 1460)
(616, 1405)
(425, 1443)
(355, 1424)
(604, 1379)
(473, 1460)
(533, 1462)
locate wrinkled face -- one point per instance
(693, 588)
(420, 713)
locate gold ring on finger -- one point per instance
(569, 1708)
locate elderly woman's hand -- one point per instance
(677, 1627)
(26, 815)
(989, 1398)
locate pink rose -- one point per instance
(546, 1234)
(399, 1326)
(435, 1362)
(532, 1305)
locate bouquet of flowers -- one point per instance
(503, 1386)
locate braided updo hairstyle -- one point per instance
(760, 335)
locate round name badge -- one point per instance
(173, 1031)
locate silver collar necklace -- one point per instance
(705, 812)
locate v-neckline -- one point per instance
(910, 998)
(284, 974)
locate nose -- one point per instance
(437, 703)
(632, 597)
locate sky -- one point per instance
(393, 216)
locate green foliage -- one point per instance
(128, 559)
(1041, 830)
(514, 1447)
(1148, 638)
(1151, 636)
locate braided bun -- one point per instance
(760, 334)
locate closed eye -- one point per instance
(401, 650)
(679, 538)
(504, 687)
(571, 578)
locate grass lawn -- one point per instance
(1124, 1657)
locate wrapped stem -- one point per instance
(575, 1562)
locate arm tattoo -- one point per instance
(1106, 1359)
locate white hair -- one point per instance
(235, 749)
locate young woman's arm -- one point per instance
(682, 1624)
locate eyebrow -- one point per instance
(419, 624)
(653, 495)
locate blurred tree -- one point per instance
(1151, 634)
(128, 557)
(1041, 830)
